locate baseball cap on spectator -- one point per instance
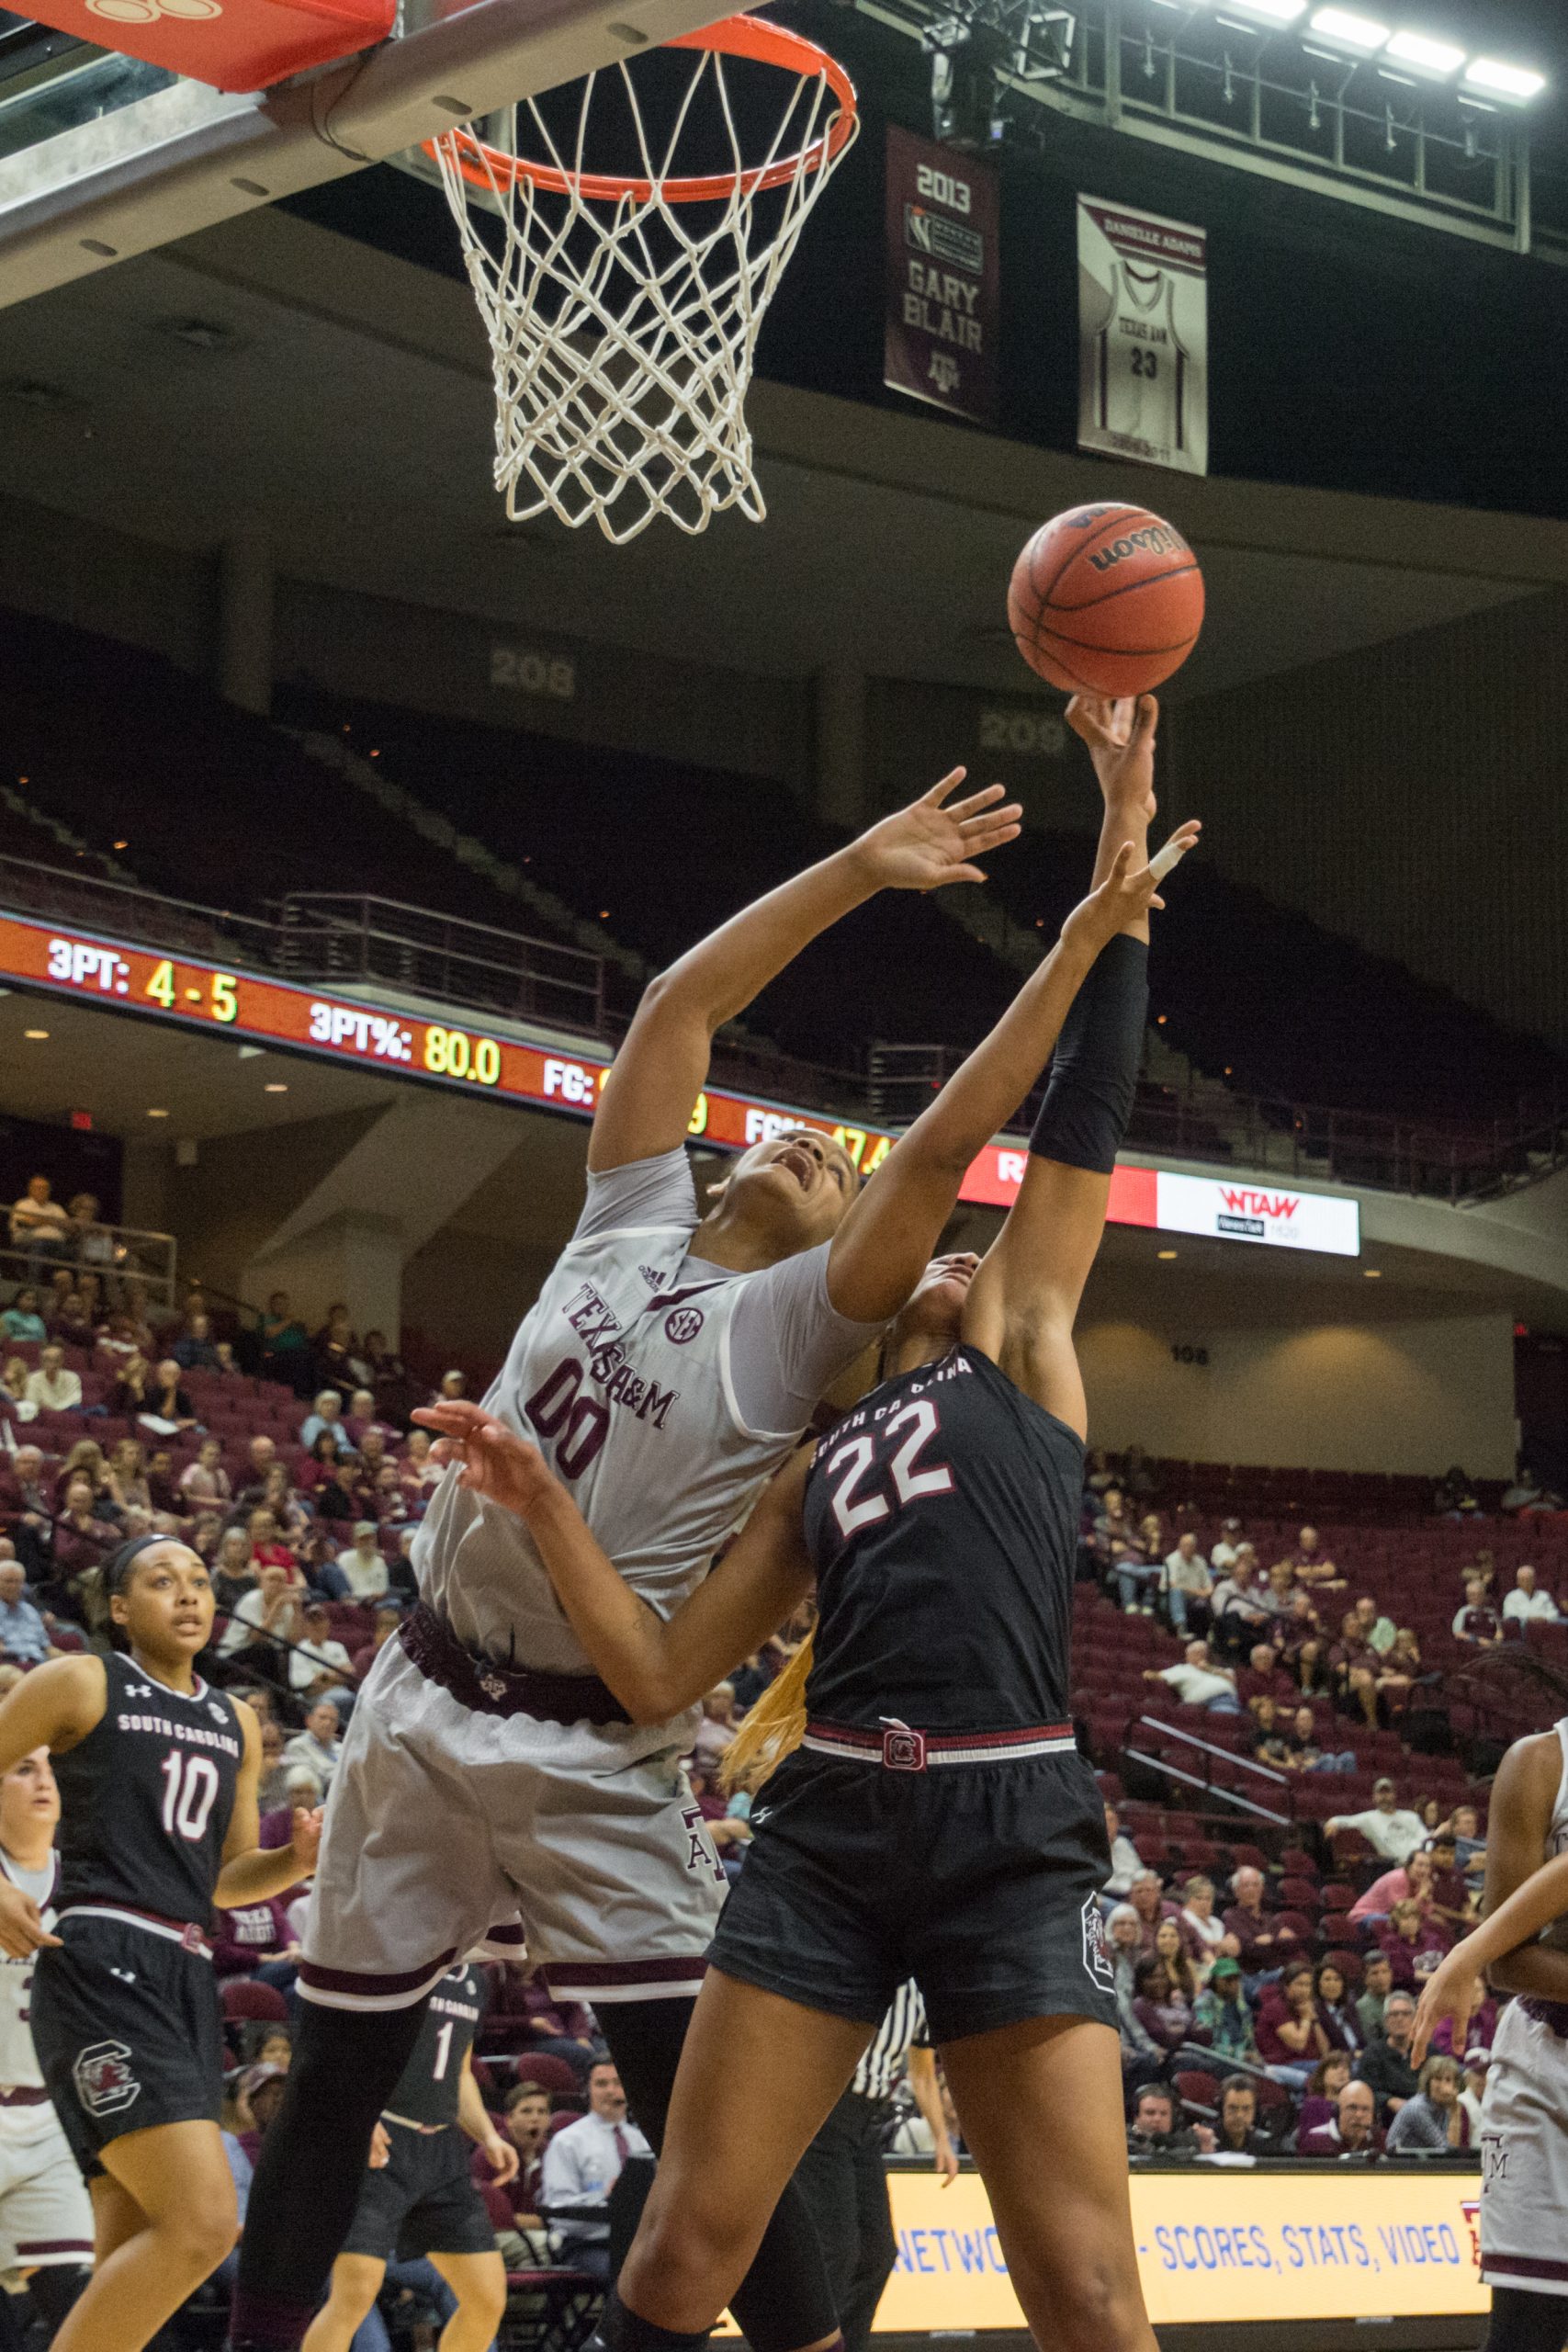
(367, 1527)
(253, 2078)
(1226, 1966)
(1382, 1781)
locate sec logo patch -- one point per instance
(682, 1323)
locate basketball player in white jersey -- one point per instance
(669, 1364)
(46, 2217)
(1522, 1946)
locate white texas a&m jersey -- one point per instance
(1141, 368)
(624, 1375)
(19, 2068)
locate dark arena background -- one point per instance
(343, 822)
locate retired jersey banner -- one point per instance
(943, 280)
(1143, 336)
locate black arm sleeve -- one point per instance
(1094, 1072)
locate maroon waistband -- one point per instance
(489, 1688)
(1554, 2015)
(24, 2095)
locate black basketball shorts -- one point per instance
(979, 1881)
(129, 2030)
(423, 2202)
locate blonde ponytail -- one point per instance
(775, 1727)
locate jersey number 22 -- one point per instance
(850, 1467)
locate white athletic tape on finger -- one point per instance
(1161, 864)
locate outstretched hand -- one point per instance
(1120, 740)
(22, 1931)
(1127, 892)
(1454, 1991)
(307, 1838)
(930, 843)
(493, 1459)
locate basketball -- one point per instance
(1106, 600)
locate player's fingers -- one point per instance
(985, 799)
(1146, 720)
(939, 792)
(957, 873)
(995, 820)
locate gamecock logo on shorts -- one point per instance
(104, 2081)
(684, 1324)
(1096, 1958)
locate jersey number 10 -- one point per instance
(190, 1790)
(849, 1467)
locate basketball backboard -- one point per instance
(102, 156)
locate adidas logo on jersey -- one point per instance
(652, 1277)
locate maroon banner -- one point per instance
(943, 283)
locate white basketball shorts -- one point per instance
(450, 1832)
(1524, 2156)
(46, 2214)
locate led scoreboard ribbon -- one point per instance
(281, 1012)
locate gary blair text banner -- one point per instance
(942, 278)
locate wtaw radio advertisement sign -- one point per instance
(943, 281)
(1226, 1208)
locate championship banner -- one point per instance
(1143, 338)
(942, 277)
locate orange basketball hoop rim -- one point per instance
(491, 169)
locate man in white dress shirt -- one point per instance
(582, 2165)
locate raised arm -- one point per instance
(655, 1665)
(1024, 1301)
(646, 1107)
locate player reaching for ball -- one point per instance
(938, 1821)
(158, 1776)
(668, 1367)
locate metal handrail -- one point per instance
(1204, 1781)
(133, 1245)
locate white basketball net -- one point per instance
(624, 332)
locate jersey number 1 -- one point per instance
(190, 1789)
(850, 1465)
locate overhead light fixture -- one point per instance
(1424, 55)
(1371, 1273)
(274, 1086)
(1165, 1253)
(157, 1114)
(1519, 83)
(1272, 12)
(1347, 30)
(38, 1035)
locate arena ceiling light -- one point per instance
(1420, 53)
(1270, 12)
(1520, 84)
(1361, 36)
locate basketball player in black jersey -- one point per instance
(423, 2199)
(938, 1821)
(158, 1776)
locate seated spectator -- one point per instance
(337, 1354)
(389, 1617)
(194, 1349)
(1530, 1603)
(26, 1508)
(82, 1539)
(134, 1385)
(14, 1396)
(1291, 2036)
(267, 1546)
(364, 1422)
(85, 1460)
(1470, 1847)
(1146, 1896)
(1197, 1683)
(1279, 1591)
(256, 1940)
(24, 1637)
(161, 1484)
(39, 1224)
(1237, 1616)
(261, 1456)
(392, 1509)
(1203, 1931)
(1114, 1541)
(718, 1729)
(1477, 1622)
(1377, 1983)
(21, 1319)
(453, 1388)
(1187, 1584)
(1305, 1755)
(127, 1476)
(416, 1469)
(362, 1566)
(167, 1409)
(317, 1662)
(343, 1496)
(556, 2028)
(582, 2165)
(1269, 1743)
(52, 1389)
(1238, 2133)
(1153, 2130)
(272, 1790)
(1162, 2007)
(1406, 1880)
(1376, 1629)
(318, 1746)
(1221, 1559)
(1263, 1676)
(1185, 1970)
(1384, 2065)
(1312, 1565)
(1222, 2012)
(73, 1324)
(263, 1619)
(1354, 2131)
(234, 1571)
(1391, 1830)
(1335, 2009)
(1261, 1943)
(1404, 1662)
(1413, 1942)
(205, 1480)
(325, 1420)
(1125, 1862)
(388, 1373)
(1455, 1495)
(1448, 1898)
(1435, 2116)
(1328, 2079)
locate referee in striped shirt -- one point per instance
(842, 2174)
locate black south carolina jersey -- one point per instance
(427, 2089)
(147, 1797)
(942, 1515)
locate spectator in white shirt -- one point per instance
(582, 2165)
(1528, 1603)
(51, 1388)
(317, 1662)
(327, 1415)
(24, 1637)
(318, 1744)
(1197, 1683)
(362, 1564)
(39, 1224)
(263, 1618)
(1187, 1579)
(1223, 1557)
(1126, 1863)
(1389, 1830)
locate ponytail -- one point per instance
(774, 1728)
